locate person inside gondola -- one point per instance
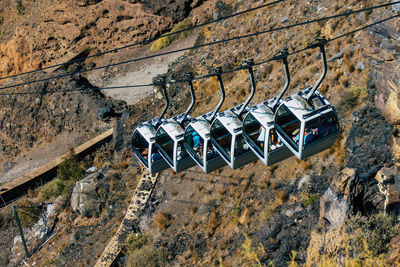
(308, 136)
(275, 140)
(196, 143)
(261, 136)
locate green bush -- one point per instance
(377, 230)
(166, 41)
(135, 242)
(148, 256)
(69, 171)
(70, 168)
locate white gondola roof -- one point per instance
(147, 131)
(230, 120)
(202, 127)
(263, 113)
(299, 106)
(172, 128)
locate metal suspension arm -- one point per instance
(189, 78)
(248, 64)
(282, 54)
(161, 83)
(319, 42)
(217, 72)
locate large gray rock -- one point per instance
(89, 195)
(389, 185)
(333, 209)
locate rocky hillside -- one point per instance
(339, 207)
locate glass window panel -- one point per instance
(195, 143)
(141, 146)
(289, 124)
(166, 143)
(274, 140)
(240, 145)
(320, 127)
(255, 132)
(211, 152)
(223, 138)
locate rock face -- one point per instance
(177, 10)
(369, 142)
(59, 27)
(389, 185)
(89, 195)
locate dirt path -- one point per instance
(39, 156)
(142, 72)
(136, 73)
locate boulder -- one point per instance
(89, 195)
(105, 113)
(333, 209)
(389, 185)
(221, 10)
(392, 108)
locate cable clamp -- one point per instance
(280, 54)
(318, 42)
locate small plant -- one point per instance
(310, 198)
(252, 254)
(148, 256)
(267, 213)
(19, 7)
(235, 212)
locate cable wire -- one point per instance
(204, 45)
(147, 41)
(200, 77)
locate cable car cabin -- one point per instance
(169, 142)
(198, 145)
(267, 147)
(143, 145)
(226, 136)
(307, 128)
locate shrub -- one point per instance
(135, 242)
(19, 7)
(70, 168)
(167, 40)
(148, 256)
(310, 198)
(252, 254)
(377, 230)
(350, 97)
(162, 220)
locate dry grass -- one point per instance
(280, 197)
(162, 220)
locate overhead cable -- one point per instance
(148, 40)
(201, 77)
(203, 45)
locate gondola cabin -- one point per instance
(198, 145)
(226, 135)
(143, 146)
(307, 127)
(169, 142)
(260, 135)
